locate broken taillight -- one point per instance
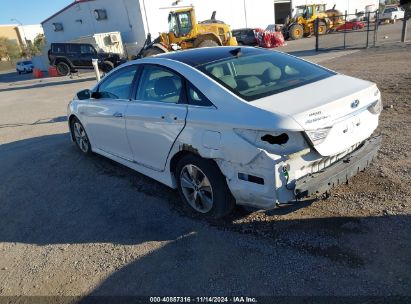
(376, 107)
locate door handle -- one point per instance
(118, 114)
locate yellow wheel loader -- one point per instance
(303, 22)
(185, 33)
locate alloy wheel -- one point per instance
(196, 188)
(81, 137)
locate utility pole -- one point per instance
(24, 40)
(407, 15)
(245, 14)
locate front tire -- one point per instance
(296, 32)
(108, 66)
(203, 187)
(80, 136)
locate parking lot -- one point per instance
(76, 225)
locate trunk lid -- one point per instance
(338, 102)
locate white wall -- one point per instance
(122, 15)
(30, 31)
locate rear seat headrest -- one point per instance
(272, 74)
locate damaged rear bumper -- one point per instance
(339, 172)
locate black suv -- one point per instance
(69, 57)
(245, 36)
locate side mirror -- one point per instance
(84, 94)
(95, 95)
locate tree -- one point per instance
(9, 49)
(35, 48)
(39, 43)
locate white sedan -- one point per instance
(231, 125)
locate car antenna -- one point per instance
(236, 52)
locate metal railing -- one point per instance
(348, 31)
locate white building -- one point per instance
(29, 32)
(135, 18)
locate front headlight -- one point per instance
(318, 136)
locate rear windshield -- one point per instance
(257, 76)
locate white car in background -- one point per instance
(24, 66)
(392, 13)
(231, 125)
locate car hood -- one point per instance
(326, 104)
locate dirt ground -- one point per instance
(74, 225)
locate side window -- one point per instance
(118, 85)
(74, 48)
(160, 84)
(197, 98)
(58, 48)
(87, 49)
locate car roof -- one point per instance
(200, 56)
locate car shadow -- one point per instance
(37, 122)
(52, 194)
(43, 82)
(13, 76)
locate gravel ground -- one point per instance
(74, 225)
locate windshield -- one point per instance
(299, 11)
(172, 24)
(256, 76)
(27, 62)
(389, 10)
(180, 23)
(304, 11)
(184, 20)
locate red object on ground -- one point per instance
(37, 73)
(267, 39)
(53, 72)
(351, 25)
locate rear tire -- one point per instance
(151, 52)
(205, 189)
(208, 43)
(63, 68)
(296, 32)
(322, 28)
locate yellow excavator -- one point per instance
(185, 33)
(303, 22)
